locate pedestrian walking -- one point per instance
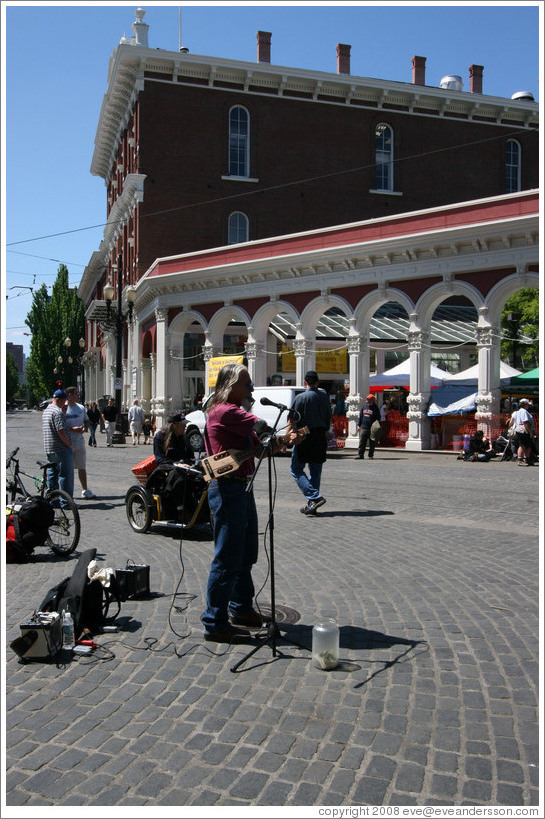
(57, 445)
(369, 414)
(312, 409)
(109, 416)
(93, 414)
(136, 420)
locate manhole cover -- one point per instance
(283, 614)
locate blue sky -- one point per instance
(55, 63)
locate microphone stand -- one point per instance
(273, 632)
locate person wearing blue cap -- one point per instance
(57, 445)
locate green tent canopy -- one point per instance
(525, 382)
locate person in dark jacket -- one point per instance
(369, 413)
(479, 448)
(93, 413)
(312, 409)
(169, 443)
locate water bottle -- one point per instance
(325, 644)
(68, 630)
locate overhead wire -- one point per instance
(268, 189)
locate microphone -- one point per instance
(268, 403)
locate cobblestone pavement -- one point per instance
(431, 567)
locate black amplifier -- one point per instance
(133, 581)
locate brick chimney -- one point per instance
(264, 46)
(476, 79)
(419, 70)
(343, 58)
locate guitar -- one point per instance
(223, 463)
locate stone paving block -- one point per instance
(249, 785)
(451, 714)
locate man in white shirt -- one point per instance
(521, 421)
(136, 420)
(77, 422)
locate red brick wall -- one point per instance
(183, 149)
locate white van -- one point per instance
(280, 395)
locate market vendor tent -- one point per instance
(452, 399)
(399, 376)
(459, 392)
(525, 382)
(471, 375)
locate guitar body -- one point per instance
(223, 463)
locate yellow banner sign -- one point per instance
(215, 365)
(327, 361)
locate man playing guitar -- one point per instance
(230, 590)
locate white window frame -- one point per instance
(237, 224)
(513, 169)
(385, 158)
(242, 144)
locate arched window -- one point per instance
(237, 229)
(239, 141)
(512, 166)
(384, 157)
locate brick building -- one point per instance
(199, 153)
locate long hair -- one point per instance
(227, 378)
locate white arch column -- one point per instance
(161, 364)
(420, 389)
(305, 357)
(254, 351)
(489, 391)
(126, 399)
(175, 395)
(358, 367)
(145, 384)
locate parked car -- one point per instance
(280, 395)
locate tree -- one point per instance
(520, 329)
(51, 319)
(12, 378)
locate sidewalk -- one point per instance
(431, 566)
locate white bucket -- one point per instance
(456, 442)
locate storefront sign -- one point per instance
(215, 364)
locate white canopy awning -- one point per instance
(399, 376)
(471, 375)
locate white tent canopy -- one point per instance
(399, 376)
(452, 399)
(471, 375)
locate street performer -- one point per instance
(230, 590)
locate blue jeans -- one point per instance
(61, 475)
(92, 435)
(309, 485)
(230, 584)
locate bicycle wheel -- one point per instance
(65, 530)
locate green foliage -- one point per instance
(520, 328)
(12, 378)
(51, 320)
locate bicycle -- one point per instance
(64, 532)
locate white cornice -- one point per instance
(504, 243)
(128, 64)
(121, 212)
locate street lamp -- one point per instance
(130, 293)
(73, 361)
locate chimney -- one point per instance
(419, 70)
(476, 79)
(343, 58)
(264, 46)
(140, 29)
